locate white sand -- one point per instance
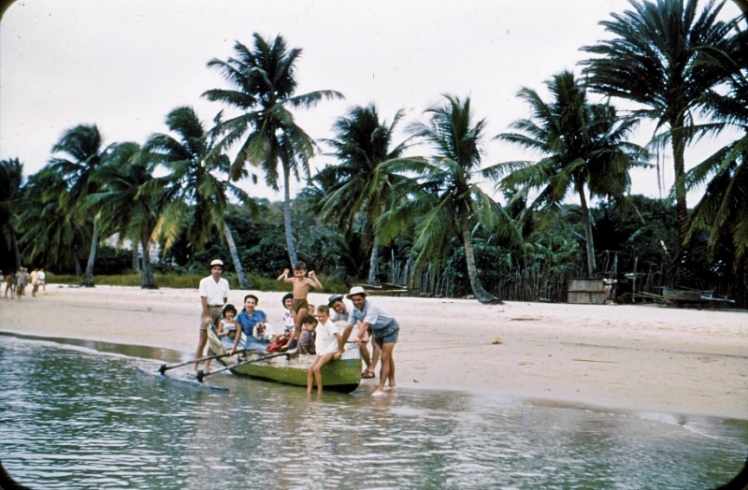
(640, 357)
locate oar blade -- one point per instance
(190, 382)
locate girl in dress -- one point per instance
(227, 326)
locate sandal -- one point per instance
(368, 375)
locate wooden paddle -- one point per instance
(201, 374)
(165, 368)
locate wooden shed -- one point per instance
(585, 291)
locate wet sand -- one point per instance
(631, 357)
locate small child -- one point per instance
(301, 285)
(227, 326)
(306, 340)
(329, 345)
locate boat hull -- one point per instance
(342, 375)
(682, 295)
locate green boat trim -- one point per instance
(342, 375)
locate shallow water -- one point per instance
(78, 417)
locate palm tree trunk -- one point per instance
(478, 291)
(679, 167)
(287, 215)
(148, 280)
(374, 260)
(77, 262)
(16, 251)
(88, 278)
(135, 261)
(591, 265)
(243, 282)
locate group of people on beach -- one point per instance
(323, 331)
(16, 283)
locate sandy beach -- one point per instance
(632, 357)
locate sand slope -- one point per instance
(641, 357)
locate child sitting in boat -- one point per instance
(306, 341)
(227, 325)
(329, 345)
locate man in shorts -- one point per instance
(384, 329)
(214, 293)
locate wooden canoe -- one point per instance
(342, 375)
(384, 289)
(683, 295)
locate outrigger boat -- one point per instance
(385, 289)
(253, 360)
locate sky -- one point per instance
(125, 64)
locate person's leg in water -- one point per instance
(387, 372)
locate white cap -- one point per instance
(216, 262)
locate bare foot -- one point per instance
(378, 393)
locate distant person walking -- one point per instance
(34, 282)
(214, 293)
(43, 280)
(384, 329)
(10, 285)
(22, 279)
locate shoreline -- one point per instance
(642, 358)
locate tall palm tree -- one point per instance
(653, 59)
(263, 84)
(362, 184)
(193, 193)
(129, 202)
(11, 188)
(83, 144)
(583, 147)
(452, 203)
(723, 209)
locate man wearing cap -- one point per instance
(384, 329)
(342, 309)
(214, 293)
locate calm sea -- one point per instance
(76, 416)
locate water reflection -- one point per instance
(76, 419)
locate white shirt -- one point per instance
(215, 292)
(337, 317)
(326, 341)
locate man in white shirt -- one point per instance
(214, 293)
(343, 309)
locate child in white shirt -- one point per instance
(328, 344)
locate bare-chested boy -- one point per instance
(301, 285)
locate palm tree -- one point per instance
(83, 144)
(451, 202)
(129, 202)
(583, 147)
(654, 59)
(723, 209)
(11, 187)
(48, 234)
(263, 87)
(193, 194)
(362, 184)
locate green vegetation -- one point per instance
(189, 281)
(377, 214)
